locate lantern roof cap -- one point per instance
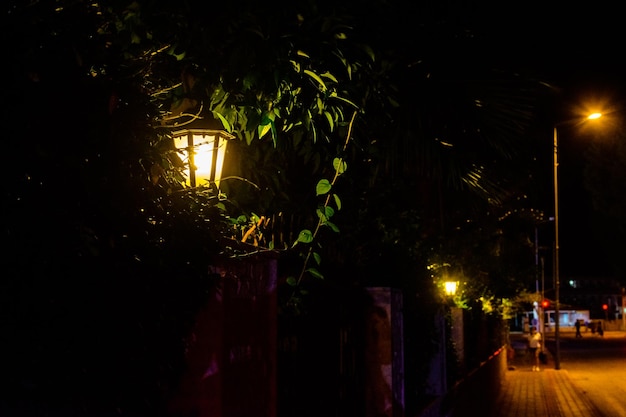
(204, 122)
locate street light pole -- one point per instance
(557, 282)
(557, 278)
(623, 309)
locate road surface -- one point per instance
(597, 365)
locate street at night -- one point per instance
(312, 208)
(597, 365)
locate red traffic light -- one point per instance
(545, 304)
(605, 307)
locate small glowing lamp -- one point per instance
(202, 150)
(450, 287)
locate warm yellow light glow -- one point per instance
(209, 150)
(450, 287)
(594, 116)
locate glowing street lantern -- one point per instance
(450, 287)
(203, 151)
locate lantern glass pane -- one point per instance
(181, 141)
(203, 159)
(206, 152)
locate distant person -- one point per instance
(577, 324)
(534, 344)
(600, 329)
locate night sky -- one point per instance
(580, 47)
(592, 69)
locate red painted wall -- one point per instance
(231, 356)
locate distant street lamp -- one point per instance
(450, 288)
(557, 282)
(202, 144)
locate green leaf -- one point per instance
(268, 117)
(317, 257)
(330, 76)
(329, 117)
(320, 105)
(179, 57)
(332, 226)
(337, 201)
(315, 273)
(248, 82)
(340, 165)
(345, 100)
(323, 187)
(225, 123)
(305, 236)
(296, 65)
(316, 78)
(263, 129)
(291, 281)
(325, 213)
(248, 136)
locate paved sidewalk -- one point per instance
(549, 392)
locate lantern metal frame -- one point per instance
(194, 141)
